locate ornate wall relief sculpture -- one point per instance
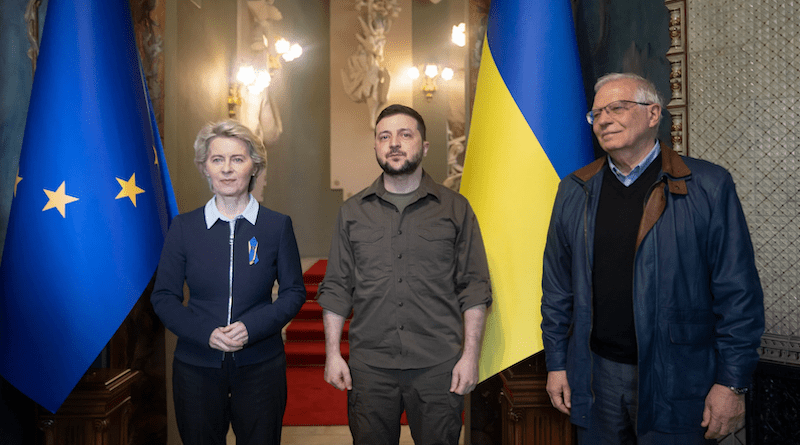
(478, 17)
(148, 25)
(32, 20)
(461, 104)
(456, 149)
(365, 78)
(259, 111)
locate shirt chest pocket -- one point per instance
(435, 248)
(369, 252)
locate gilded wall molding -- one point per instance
(677, 105)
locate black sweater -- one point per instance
(619, 212)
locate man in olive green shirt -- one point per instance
(408, 260)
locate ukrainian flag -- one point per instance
(527, 132)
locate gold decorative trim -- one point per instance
(676, 55)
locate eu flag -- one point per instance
(91, 202)
(528, 131)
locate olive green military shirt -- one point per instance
(406, 276)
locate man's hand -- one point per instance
(559, 392)
(465, 372)
(465, 375)
(724, 412)
(229, 338)
(337, 373)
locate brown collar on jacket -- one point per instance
(672, 164)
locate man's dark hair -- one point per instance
(391, 110)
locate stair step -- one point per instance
(310, 330)
(311, 310)
(305, 335)
(316, 273)
(312, 279)
(311, 291)
(309, 353)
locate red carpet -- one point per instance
(305, 338)
(311, 400)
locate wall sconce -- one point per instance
(255, 81)
(431, 73)
(287, 50)
(234, 100)
(250, 81)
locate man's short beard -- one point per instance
(408, 167)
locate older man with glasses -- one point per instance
(652, 307)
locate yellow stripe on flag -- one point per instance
(511, 185)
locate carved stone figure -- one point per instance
(259, 112)
(32, 20)
(455, 157)
(365, 79)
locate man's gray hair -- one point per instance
(231, 129)
(645, 92)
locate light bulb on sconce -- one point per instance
(262, 81)
(255, 81)
(447, 73)
(431, 71)
(294, 52)
(459, 35)
(282, 46)
(246, 75)
(287, 50)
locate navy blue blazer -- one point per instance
(201, 257)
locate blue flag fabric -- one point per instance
(92, 201)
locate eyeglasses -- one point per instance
(614, 108)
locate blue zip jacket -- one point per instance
(698, 303)
(201, 257)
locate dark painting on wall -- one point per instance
(624, 36)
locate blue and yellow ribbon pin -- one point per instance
(253, 250)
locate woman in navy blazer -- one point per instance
(229, 366)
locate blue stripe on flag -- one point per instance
(535, 49)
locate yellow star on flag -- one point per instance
(58, 200)
(19, 179)
(155, 154)
(129, 189)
